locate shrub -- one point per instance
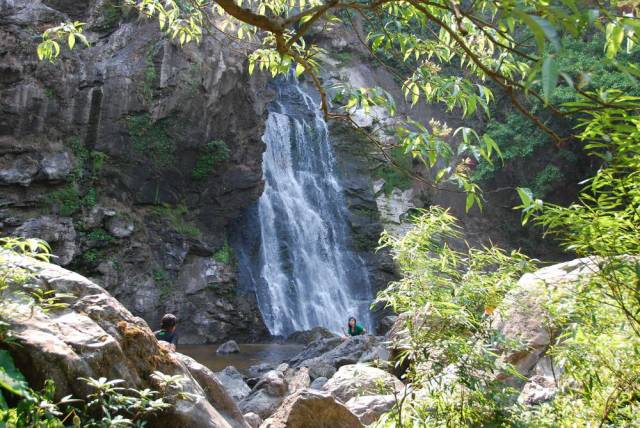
(446, 295)
(224, 254)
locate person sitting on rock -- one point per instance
(167, 332)
(354, 329)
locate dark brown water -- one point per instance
(250, 354)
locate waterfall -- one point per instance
(293, 247)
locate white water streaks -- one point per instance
(304, 274)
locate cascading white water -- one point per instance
(304, 273)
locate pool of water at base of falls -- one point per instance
(250, 355)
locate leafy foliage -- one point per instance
(446, 296)
(49, 48)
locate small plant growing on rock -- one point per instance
(215, 152)
(176, 217)
(224, 254)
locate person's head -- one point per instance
(168, 322)
(352, 322)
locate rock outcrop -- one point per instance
(312, 409)
(523, 318)
(140, 152)
(95, 336)
(359, 379)
(368, 408)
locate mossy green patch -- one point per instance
(213, 153)
(176, 217)
(153, 139)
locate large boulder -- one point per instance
(214, 390)
(312, 409)
(297, 379)
(261, 403)
(368, 408)
(358, 379)
(522, 318)
(233, 382)
(268, 393)
(95, 336)
(273, 382)
(318, 368)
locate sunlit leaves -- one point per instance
(445, 293)
(181, 23)
(49, 48)
(363, 99)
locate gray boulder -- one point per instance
(261, 403)
(215, 391)
(318, 383)
(312, 409)
(233, 382)
(319, 368)
(253, 420)
(385, 324)
(368, 408)
(359, 379)
(230, 347)
(297, 379)
(274, 383)
(336, 352)
(315, 349)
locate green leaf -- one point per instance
(470, 201)
(526, 196)
(614, 34)
(299, 69)
(541, 29)
(72, 41)
(10, 377)
(550, 72)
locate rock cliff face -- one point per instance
(131, 157)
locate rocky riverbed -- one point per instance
(331, 382)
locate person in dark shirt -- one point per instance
(353, 328)
(167, 332)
